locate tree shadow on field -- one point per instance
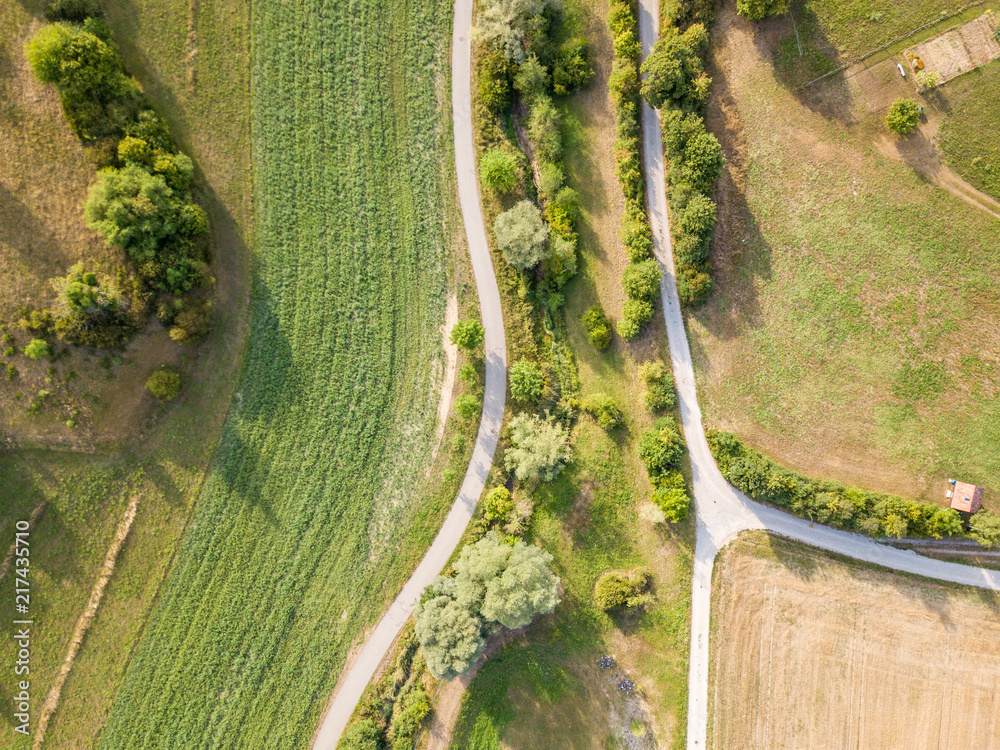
(800, 53)
(25, 233)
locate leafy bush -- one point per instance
(467, 406)
(165, 384)
(571, 70)
(694, 285)
(697, 218)
(467, 334)
(361, 735)
(621, 589)
(637, 238)
(539, 448)
(37, 349)
(521, 235)
(532, 80)
(623, 83)
(503, 24)
(498, 169)
(550, 179)
(659, 382)
(193, 322)
(605, 411)
(526, 381)
(97, 96)
(691, 250)
(641, 281)
(544, 129)
(758, 10)
(702, 162)
(985, 528)
(497, 504)
(493, 73)
(675, 71)
(560, 266)
(674, 502)
(661, 447)
(635, 314)
(598, 327)
(903, 117)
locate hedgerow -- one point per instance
(635, 232)
(676, 83)
(872, 513)
(314, 509)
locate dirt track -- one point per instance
(818, 654)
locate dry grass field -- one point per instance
(811, 652)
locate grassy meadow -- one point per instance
(969, 134)
(853, 333)
(308, 521)
(547, 683)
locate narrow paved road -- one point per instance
(381, 639)
(721, 511)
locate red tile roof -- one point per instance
(967, 497)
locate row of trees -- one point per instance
(141, 202)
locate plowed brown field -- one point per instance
(815, 653)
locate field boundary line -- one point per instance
(83, 623)
(32, 520)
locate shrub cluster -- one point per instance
(903, 116)
(598, 327)
(661, 449)
(659, 382)
(623, 589)
(605, 411)
(141, 202)
(676, 83)
(871, 513)
(640, 286)
(390, 715)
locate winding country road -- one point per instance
(380, 641)
(721, 511)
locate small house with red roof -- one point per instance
(967, 498)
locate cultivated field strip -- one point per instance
(295, 546)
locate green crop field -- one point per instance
(303, 530)
(969, 135)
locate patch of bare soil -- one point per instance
(822, 654)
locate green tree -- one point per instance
(539, 448)
(137, 211)
(984, 527)
(450, 636)
(526, 381)
(674, 71)
(694, 285)
(904, 114)
(493, 72)
(531, 80)
(522, 236)
(661, 447)
(758, 10)
(944, 522)
(703, 161)
(605, 411)
(468, 335)
(165, 384)
(498, 168)
(642, 280)
(37, 349)
(503, 24)
(571, 70)
(526, 587)
(637, 238)
(697, 218)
